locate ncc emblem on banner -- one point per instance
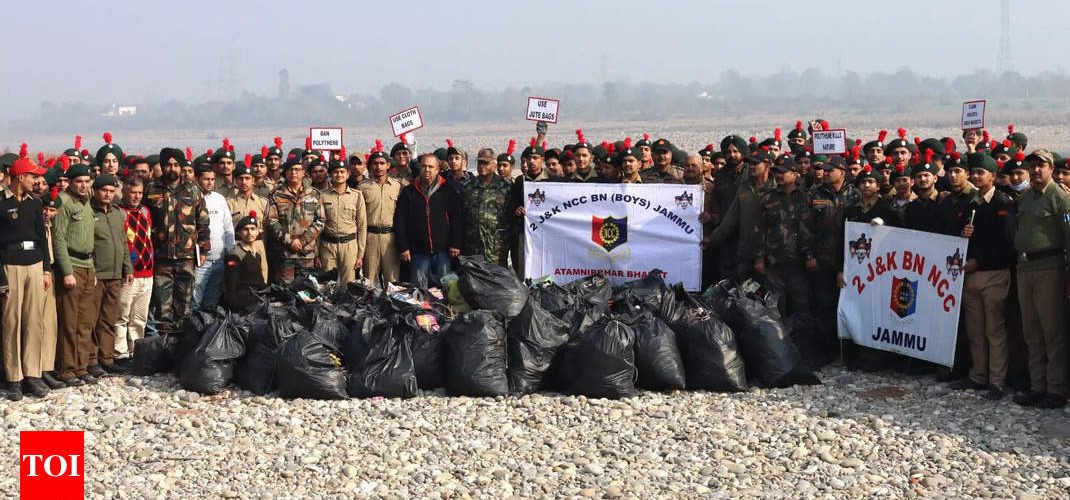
(860, 248)
(904, 297)
(955, 265)
(685, 200)
(609, 232)
(537, 197)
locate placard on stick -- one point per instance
(973, 114)
(542, 109)
(406, 121)
(326, 138)
(830, 142)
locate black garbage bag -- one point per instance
(594, 290)
(476, 358)
(651, 292)
(190, 331)
(711, 354)
(210, 367)
(490, 286)
(604, 361)
(533, 341)
(386, 367)
(310, 368)
(553, 297)
(426, 331)
(657, 357)
(580, 320)
(770, 355)
(255, 372)
(804, 330)
(154, 355)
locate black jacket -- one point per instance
(992, 243)
(423, 224)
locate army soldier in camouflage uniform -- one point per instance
(486, 214)
(180, 237)
(294, 220)
(829, 203)
(785, 231)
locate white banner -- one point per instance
(904, 290)
(574, 230)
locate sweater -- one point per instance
(992, 243)
(72, 231)
(139, 240)
(111, 257)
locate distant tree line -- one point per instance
(732, 94)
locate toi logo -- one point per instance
(51, 465)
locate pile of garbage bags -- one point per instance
(486, 333)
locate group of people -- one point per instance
(98, 249)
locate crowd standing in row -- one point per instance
(98, 249)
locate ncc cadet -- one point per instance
(628, 163)
(181, 238)
(242, 275)
(52, 203)
(506, 161)
(72, 233)
(1017, 171)
(725, 184)
(784, 229)
(108, 156)
(829, 203)
(223, 165)
(244, 200)
(902, 191)
(317, 174)
(381, 191)
(345, 228)
(955, 205)
(646, 159)
(1041, 240)
(294, 222)
(923, 214)
(24, 284)
(487, 216)
(1018, 139)
(989, 258)
(273, 159)
(401, 154)
(940, 154)
(797, 138)
(741, 219)
(663, 171)
(262, 184)
(534, 171)
(457, 161)
(112, 268)
(583, 154)
(871, 208)
(358, 171)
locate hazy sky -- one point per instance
(132, 51)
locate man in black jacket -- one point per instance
(428, 222)
(989, 257)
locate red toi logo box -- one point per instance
(51, 465)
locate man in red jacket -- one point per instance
(427, 224)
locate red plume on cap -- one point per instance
(1010, 128)
(1007, 143)
(646, 136)
(776, 135)
(107, 137)
(263, 151)
(856, 152)
(54, 192)
(858, 142)
(902, 133)
(278, 142)
(1000, 164)
(209, 152)
(85, 152)
(248, 160)
(40, 158)
(888, 160)
(226, 144)
(883, 134)
(367, 158)
(378, 146)
(917, 141)
(342, 153)
(308, 143)
(534, 143)
(77, 142)
(900, 169)
(449, 143)
(126, 172)
(867, 169)
(709, 147)
(984, 135)
(252, 214)
(949, 145)
(580, 139)
(189, 153)
(627, 143)
(955, 155)
(567, 155)
(64, 162)
(23, 150)
(753, 139)
(798, 125)
(404, 138)
(511, 148)
(1019, 156)
(993, 145)
(928, 156)
(824, 124)
(610, 148)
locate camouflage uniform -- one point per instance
(180, 236)
(487, 218)
(786, 233)
(829, 210)
(294, 215)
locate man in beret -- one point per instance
(244, 200)
(24, 283)
(1042, 240)
(181, 238)
(457, 163)
(72, 234)
(829, 203)
(381, 191)
(223, 168)
(113, 269)
(401, 153)
(345, 229)
(294, 222)
(741, 220)
(262, 184)
(663, 171)
(583, 154)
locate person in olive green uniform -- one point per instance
(242, 276)
(72, 234)
(113, 268)
(1042, 240)
(785, 231)
(741, 220)
(345, 229)
(829, 203)
(294, 222)
(487, 223)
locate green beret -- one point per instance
(52, 198)
(243, 169)
(922, 167)
(53, 175)
(248, 220)
(335, 165)
(103, 180)
(75, 171)
(982, 160)
(441, 154)
(935, 145)
(221, 154)
(1019, 139)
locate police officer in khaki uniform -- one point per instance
(380, 198)
(345, 229)
(244, 200)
